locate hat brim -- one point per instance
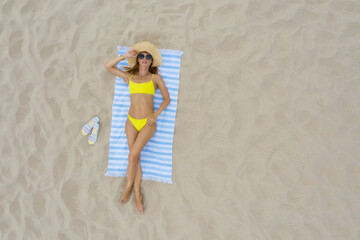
(149, 48)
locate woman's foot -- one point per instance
(126, 196)
(138, 199)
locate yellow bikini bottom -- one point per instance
(138, 123)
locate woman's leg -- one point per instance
(138, 177)
(131, 134)
(141, 140)
(137, 190)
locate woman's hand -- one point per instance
(151, 120)
(131, 53)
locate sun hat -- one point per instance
(146, 47)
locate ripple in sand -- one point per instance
(173, 219)
(15, 209)
(255, 167)
(284, 168)
(306, 120)
(31, 6)
(69, 194)
(11, 235)
(263, 210)
(34, 228)
(64, 237)
(39, 204)
(7, 7)
(16, 42)
(51, 50)
(22, 114)
(207, 229)
(316, 1)
(36, 164)
(302, 195)
(212, 176)
(59, 166)
(353, 177)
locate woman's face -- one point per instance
(144, 59)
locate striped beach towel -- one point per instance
(156, 157)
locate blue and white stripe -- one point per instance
(156, 157)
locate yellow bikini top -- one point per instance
(146, 87)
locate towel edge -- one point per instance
(157, 179)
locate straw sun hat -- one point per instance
(146, 47)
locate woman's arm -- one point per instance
(165, 94)
(111, 65)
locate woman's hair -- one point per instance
(135, 68)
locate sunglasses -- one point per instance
(148, 57)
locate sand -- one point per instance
(267, 128)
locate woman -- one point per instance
(143, 79)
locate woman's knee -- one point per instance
(133, 157)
